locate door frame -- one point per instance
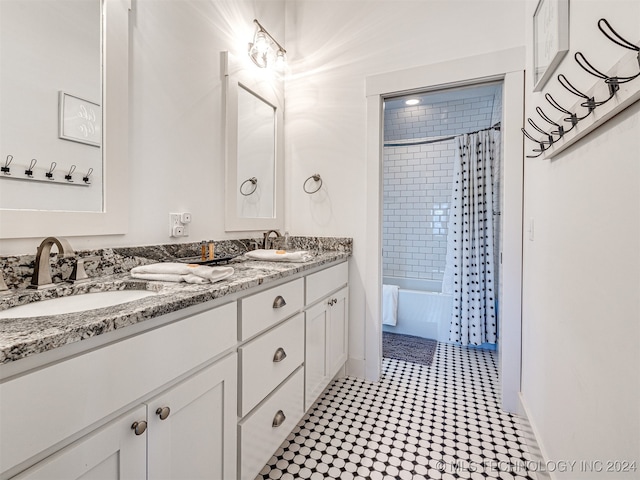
(506, 66)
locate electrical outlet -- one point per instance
(178, 224)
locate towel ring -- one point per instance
(316, 178)
(253, 181)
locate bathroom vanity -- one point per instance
(193, 382)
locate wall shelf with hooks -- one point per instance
(614, 91)
(49, 175)
(627, 94)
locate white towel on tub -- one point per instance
(389, 304)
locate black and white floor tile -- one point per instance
(437, 422)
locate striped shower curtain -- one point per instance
(469, 270)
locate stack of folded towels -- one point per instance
(181, 272)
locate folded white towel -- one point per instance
(389, 304)
(273, 256)
(181, 272)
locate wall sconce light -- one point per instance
(265, 51)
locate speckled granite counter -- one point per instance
(20, 338)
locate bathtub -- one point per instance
(423, 310)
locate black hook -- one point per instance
(67, 177)
(544, 145)
(573, 118)
(590, 104)
(618, 40)
(6, 170)
(85, 179)
(560, 132)
(587, 67)
(49, 174)
(29, 172)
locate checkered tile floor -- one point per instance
(437, 422)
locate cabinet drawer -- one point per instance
(259, 438)
(85, 389)
(326, 281)
(263, 365)
(264, 309)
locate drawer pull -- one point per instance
(278, 419)
(332, 302)
(279, 302)
(139, 427)
(279, 355)
(163, 412)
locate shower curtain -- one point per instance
(469, 269)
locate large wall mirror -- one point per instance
(64, 90)
(253, 146)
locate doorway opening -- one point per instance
(506, 66)
(423, 165)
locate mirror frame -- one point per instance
(114, 217)
(267, 85)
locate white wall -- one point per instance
(581, 308)
(332, 47)
(176, 157)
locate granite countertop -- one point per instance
(23, 337)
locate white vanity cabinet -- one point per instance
(111, 452)
(326, 336)
(272, 373)
(77, 415)
(200, 393)
(185, 432)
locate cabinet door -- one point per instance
(112, 452)
(337, 331)
(315, 352)
(196, 437)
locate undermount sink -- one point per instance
(75, 303)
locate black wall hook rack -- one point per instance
(610, 95)
(31, 174)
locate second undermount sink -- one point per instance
(75, 303)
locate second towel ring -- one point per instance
(316, 178)
(253, 181)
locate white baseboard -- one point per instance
(531, 436)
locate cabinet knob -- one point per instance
(139, 427)
(163, 412)
(279, 355)
(332, 302)
(279, 302)
(278, 419)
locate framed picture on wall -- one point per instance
(79, 120)
(550, 39)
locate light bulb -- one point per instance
(260, 42)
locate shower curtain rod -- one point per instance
(445, 139)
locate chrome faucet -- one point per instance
(267, 239)
(42, 271)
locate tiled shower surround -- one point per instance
(417, 180)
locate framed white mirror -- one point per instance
(254, 161)
(70, 58)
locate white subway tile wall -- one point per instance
(417, 181)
